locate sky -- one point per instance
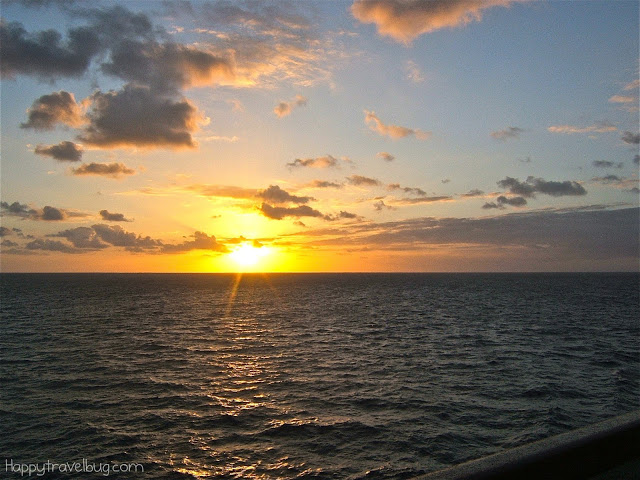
(282, 136)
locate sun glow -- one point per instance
(247, 255)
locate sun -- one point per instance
(247, 255)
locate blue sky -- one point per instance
(301, 131)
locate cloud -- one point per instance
(82, 237)
(628, 184)
(100, 237)
(284, 108)
(324, 184)
(631, 138)
(201, 241)
(410, 190)
(44, 54)
(111, 170)
(591, 237)
(359, 180)
(278, 213)
(167, 66)
(533, 185)
(328, 161)
(347, 215)
(52, 109)
(115, 235)
(392, 131)
(275, 194)
(8, 243)
(601, 127)
(113, 217)
(607, 179)
(632, 85)
(138, 117)
(224, 191)
(636, 159)
(62, 152)
(607, 164)
(17, 209)
(51, 245)
(502, 201)
(52, 214)
(473, 193)
(507, 133)
(47, 213)
(623, 99)
(413, 72)
(4, 232)
(386, 156)
(380, 205)
(404, 20)
(420, 200)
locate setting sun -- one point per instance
(247, 255)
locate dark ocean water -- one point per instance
(337, 376)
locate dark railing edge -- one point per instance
(578, 454)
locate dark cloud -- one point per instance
(445, 180)
(631, 138)
(404, 20)
(324, 184)
(278, 213)
(51, 245)
(4, 231)
(113, 217)
(111, 170)
(380, 205)
(52, 109)
(607, 164)
(342, 215)
(502, 201)
(52, 214)
(63, 152)
(533, 185)
(275, 194)
(410, 190)
(167, 66)
(82, 237)
(585, 235)
(607, 179)
(201, 241)
(44, 54)
(101, 237)
(359, 180)
(473, 193)
(319, 162)
(513, 201)
(490, 205)
(17, 209)
(8, 243)
(386, 156)
(137, 117)
(47, 213)
(118, 237)
(507, 133)
(347, 215)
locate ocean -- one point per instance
(291, 376)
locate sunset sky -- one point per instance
(366, 135)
